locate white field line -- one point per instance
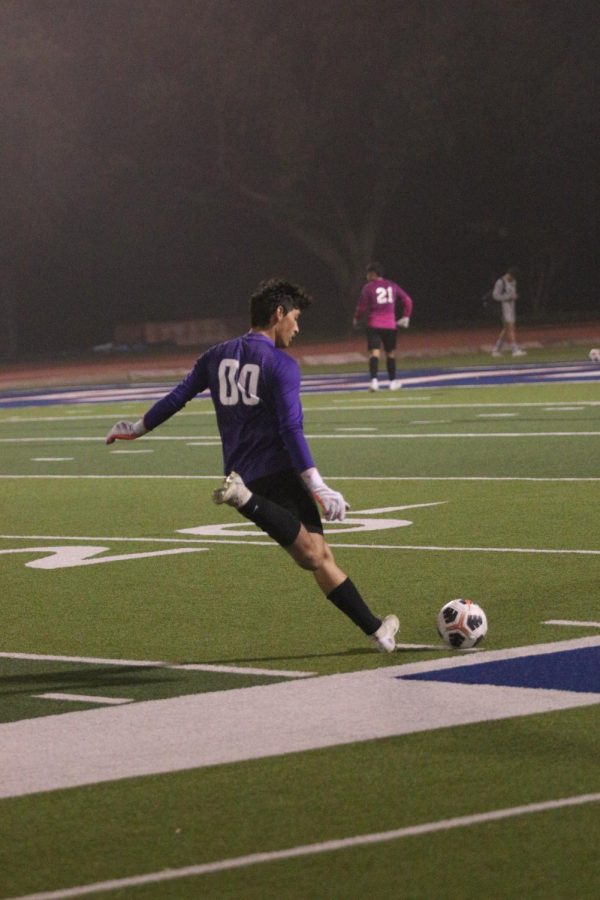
(127, 540)
(474, 374)
(84, 698)
(96, 394)
(439, 647)
(394, 478)
(131, 451)
(102, 477)
(574, 375)
(362, 840)
(435, 549)
(76, 417)
(574, 622)
(454, 435)
(388, 509)
(148, 664)
(390, 404)
(202, 540)
(438, 435)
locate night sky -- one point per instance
(159, 157)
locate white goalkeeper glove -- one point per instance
(333, 504)
(404, 322)
(126, 431)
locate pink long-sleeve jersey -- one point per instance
(380, 300)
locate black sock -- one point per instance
(278, 522)
(373, 366)
(347, 599)
(391, 368)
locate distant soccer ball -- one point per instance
(595, 355)
(462, 623)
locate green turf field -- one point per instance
(138, 618)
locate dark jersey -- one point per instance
(255, 388)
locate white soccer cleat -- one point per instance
(385, 636)
(395, 384)
(233, 491)
(518, 352)
(374, 385)
(496, 352)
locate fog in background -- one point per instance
(159, 157)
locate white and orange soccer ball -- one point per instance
(462, 624)
(595, 355)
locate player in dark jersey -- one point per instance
(386, 308)
(271, 477)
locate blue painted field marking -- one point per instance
(566, 670)
(429, 377)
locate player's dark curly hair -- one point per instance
(274, 292)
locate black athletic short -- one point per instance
(288, 490)
(378, 336)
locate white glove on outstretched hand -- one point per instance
(404, 322)
(126, 431)
(333, 504)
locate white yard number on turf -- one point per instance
(232, 386)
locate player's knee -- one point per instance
(312, 556)
(311, 561)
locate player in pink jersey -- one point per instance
(386, 307)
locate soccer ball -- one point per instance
(594, 355)
(462, 623)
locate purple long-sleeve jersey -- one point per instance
(255, 389)
(383, 301)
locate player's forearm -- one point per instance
(407, 305)
(170, 404)
(298, 449)
(161, 411)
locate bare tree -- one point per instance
(321, 116)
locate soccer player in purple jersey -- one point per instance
(386, 307)
(271, 477)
